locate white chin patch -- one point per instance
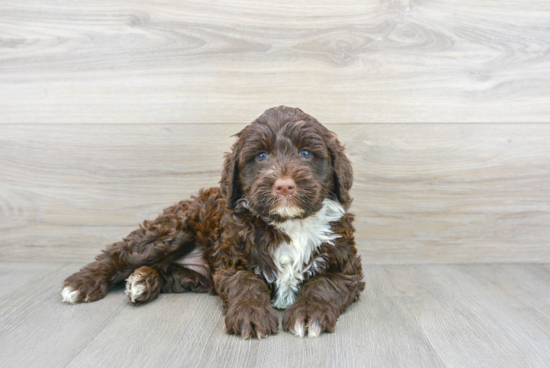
(69, 295)
(287, 211)
(133, 289)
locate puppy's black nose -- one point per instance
(284, 186)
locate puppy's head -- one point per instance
(284, 165)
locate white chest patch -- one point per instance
(291, 258)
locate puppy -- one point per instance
(275, 234)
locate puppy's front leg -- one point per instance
(319, 303)
(246, 301)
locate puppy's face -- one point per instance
(284, 165)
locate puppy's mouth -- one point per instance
(302, 197)
(286, 208)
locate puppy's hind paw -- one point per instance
(69, 295)
(143, 285)
(85, 286)
(134, 288)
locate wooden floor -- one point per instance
(408, 316)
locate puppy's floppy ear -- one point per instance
(343, 173)
(229, 183)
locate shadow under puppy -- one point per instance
(275, 234)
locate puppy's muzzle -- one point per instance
(284, 186)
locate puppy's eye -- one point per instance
(261, 156)
(305, 153)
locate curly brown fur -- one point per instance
(249, 241)
(143, 285)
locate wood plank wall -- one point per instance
(110, 112)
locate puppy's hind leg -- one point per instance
(143, 285)
(180, 279)
(157, 243)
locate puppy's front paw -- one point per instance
(83, 287)
(251, 319)
(310, 318)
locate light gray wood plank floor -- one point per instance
(409, 315)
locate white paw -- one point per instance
(69, 295)
(299, 329)
(314, 329)
(133, 289)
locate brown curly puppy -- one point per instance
(276, 234)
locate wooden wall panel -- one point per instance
(423, 192)
(351, 61)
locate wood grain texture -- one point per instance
(367, 335)
(37, 328)
(16, 274)
(464, 316)
(423, 192)
(408, 316)
(174, 61)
